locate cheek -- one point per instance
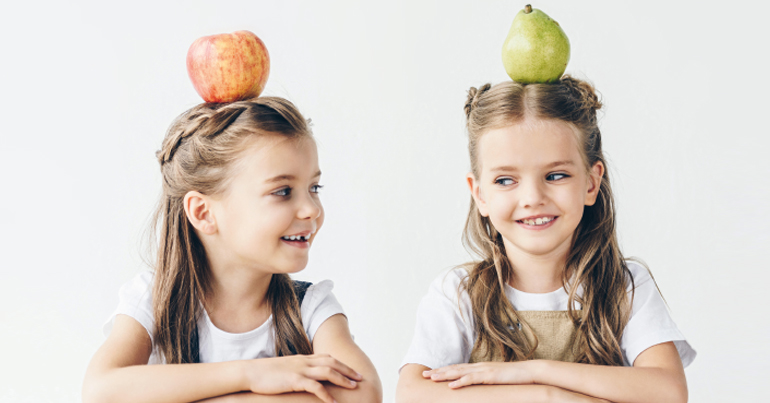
(267, 223)
(500, 207)
(320, 220)
(572, 200)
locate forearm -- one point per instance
(364, 392)
(426, 391)
(413, 388)
(163, 383)
(616, 384)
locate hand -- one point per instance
(483, 373)
(299, 373)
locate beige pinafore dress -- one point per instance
(556, 337)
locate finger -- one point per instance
(455, 367)
(451, 374)
(330, 375)
(339, 367)
(466, 380)
(317, 389)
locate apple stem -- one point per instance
(527, 9)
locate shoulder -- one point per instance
(314, 293)
(640, 274)
(137, 292)
(447, 297)
(450, 284)
(318, 305)
(140, 284)
(650, 322)
(135, 300)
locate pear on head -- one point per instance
(536, 49)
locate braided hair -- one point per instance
(198, 153)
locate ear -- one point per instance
(594, 183)
(197, 207)
(473, 185)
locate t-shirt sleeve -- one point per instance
(318, 305)
(135, 300)
(650, 322)
(443, 334)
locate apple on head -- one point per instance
(228, 67)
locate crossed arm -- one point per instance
(338, 371)
(657, 376)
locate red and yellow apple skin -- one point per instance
(228, 67)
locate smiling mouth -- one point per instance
(537, 221)
(296, 238)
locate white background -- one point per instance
(88, 89)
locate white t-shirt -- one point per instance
(445, 335)
(215, 344)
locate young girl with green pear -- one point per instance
(551, 311)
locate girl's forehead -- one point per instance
(532, 143)
(271, 155)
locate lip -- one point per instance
(299, 244)
(537, 227)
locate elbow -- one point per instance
(372, 394)
(96, 390)
(405, 391)
(676, 392)
(92, 392)
(679, 393)
(372, 391)
(366, 393)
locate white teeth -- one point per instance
(296, 238)
(538, 221)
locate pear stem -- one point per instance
(527, 9)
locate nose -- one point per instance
(531, 194)
(310, 207)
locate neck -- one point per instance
(537, 273)
(236, 297)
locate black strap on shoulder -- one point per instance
(300, 288)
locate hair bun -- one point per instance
(583, 91)
(473, 98)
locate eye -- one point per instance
(556, 176)
(283, 192)
(316, 188)
(505, 181)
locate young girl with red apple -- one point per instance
(238, 213)
(552, 312)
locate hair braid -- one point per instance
(198, 153)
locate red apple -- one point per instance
(228, 67)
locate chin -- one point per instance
(291, 268)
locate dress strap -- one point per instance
(300, 288)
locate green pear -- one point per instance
(536, 49)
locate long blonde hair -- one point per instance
(594, 260)
(197, 154)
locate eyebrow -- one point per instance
(510, 168)
(282, 178)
